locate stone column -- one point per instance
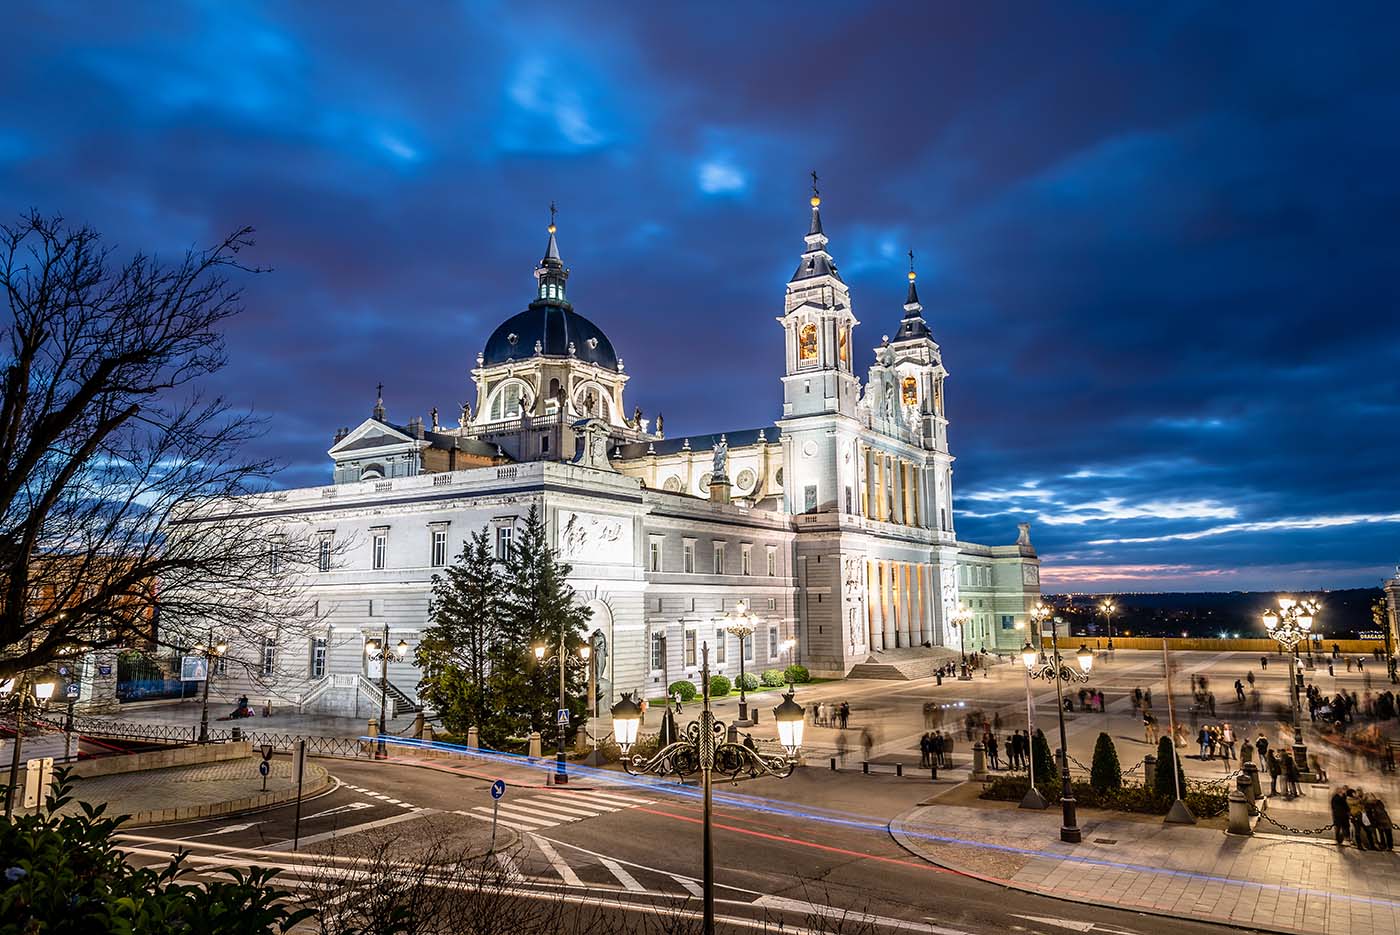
(869, 483)
(872, 601)
(921, 631)
(911, 603)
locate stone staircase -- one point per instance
(915, 662)
(402, 702)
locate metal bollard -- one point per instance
(1239, 812)
(865, 767)
(1149, 772)
(833, 764)
(979, 762)
(899, 769)
(933, 773)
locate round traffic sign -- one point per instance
(263, 767)
(498, 788)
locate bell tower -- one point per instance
(818, 322)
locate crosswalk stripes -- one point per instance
(566, 873)
(628, 881)
(548, 809)
(387, 800)
(689, 885)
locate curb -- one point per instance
(447, 768)
(898, 835)
(166, 816)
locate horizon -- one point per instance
(1158, 268)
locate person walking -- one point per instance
(994, 751)
(1149, 727)
(1264, 662)
(1249, 677)
(1341, 816)
(1381, 826)
(925, 749)
(1290, 776)
(1239, 691)
(1227, 742)
(1275, 770)
(1360, 822)
(1261, 746)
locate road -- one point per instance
(786, 849)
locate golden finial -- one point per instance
(816, 193)
(552, 211)
(912, 274)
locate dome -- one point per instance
(554, 327)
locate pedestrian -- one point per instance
(1275, 769)
(1263, 662)
(676, 698)
(644, 705)
(941, 748)
(1290, 776)
(1203, 739)
(1360, 821)
(925, 748)
(1262, 746)
(1381, 826)
(1227, 741)
(1341, 816)
(1149, 727)
(1101, 702)
(1249, 677)
(1147, 697)
(841, 748)
(867, 742)
(845, 713)
(1239, 691)
(993, 751)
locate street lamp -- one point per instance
(960, 620)
(741, 622)
(15, 695)
(1380, 615)
(1059, 672)
(379, 651)
(705, 748)
(561, 757)
(210, 650)
(1289, 625)
(1108, 608)
(1033, 798)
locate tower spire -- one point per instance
(816, 227)
(551, 273)
(815, 260)
(913, 325)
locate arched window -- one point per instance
(910, 391)
(844, 345)
(807, 342)
(508, 402)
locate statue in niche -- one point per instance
(721, 456)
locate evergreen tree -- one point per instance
(1105, 773)
(465, 630)
(538, 608)
(1047, 775)
(1164, 781)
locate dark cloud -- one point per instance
(1156, 245)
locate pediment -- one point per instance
(370, 435)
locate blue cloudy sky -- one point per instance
(1158, 243)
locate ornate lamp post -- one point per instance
(960, 620)
(1108, 608)
(210, 650)
(704, 747)
(1380, 615)
(380, 652)
(1033, 798)
(561, 760)
(1058, 672)
(1290, 625)
(741, 622)
(15, 695)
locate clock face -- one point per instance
(1030, 574)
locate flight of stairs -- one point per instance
(903, 664)
(403, 704)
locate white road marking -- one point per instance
(690, 885)
(549, 805)
(622, 801)
(566, 873)
(340, 809)
(628, 881)
(501, 822)
(538, 815)
(509, 865)
(224, 830)
(1071, 924)
(353, 829)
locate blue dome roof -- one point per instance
(554, 326)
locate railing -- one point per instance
(368, 690)
(182, 734)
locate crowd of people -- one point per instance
(1361, 818)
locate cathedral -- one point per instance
(826, 527)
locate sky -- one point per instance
(1156, 243)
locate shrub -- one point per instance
(1105, 773)
(1203, 802)
(1046, 775)
(719, 686)
(686, 689)
(772, 678)
(797, 674)
(1164, 782)
(748, 681)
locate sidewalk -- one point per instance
(1268, 882)
(184, 792)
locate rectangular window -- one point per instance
(654, 555)
(719, 558)
(504, 535)
(1008, 622)
(772, 603)
(745, 559)
(721, 647)
(809, 498)
(690, 648)
(381, 548)
(658, 652)
(269, 655)
(318, 657)
(274, 555)
(439, 557)
(688, 556)
(772, 562)
(323, 556)
(544, 444)
(772, 642)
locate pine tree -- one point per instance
(1105, 773)
(465, 630)
(538, 606)
(1047, 776)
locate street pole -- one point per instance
(383, 689)
(561, 776)
(1179, 814)
(1033, 798)
(1069, 827)
(592, 698)
(707, 763)
(208, 675)
(20, 687)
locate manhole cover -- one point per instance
(1105, 841)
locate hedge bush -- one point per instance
(773, 678)
(1204, 802)
(1105, 773)
(1164, 782)
(797, 674)
(748, 681)
(1047, 775)
(686, 689)
(719, 686)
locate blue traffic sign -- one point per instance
(498, 788)
(263, 767)
(563, 717)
